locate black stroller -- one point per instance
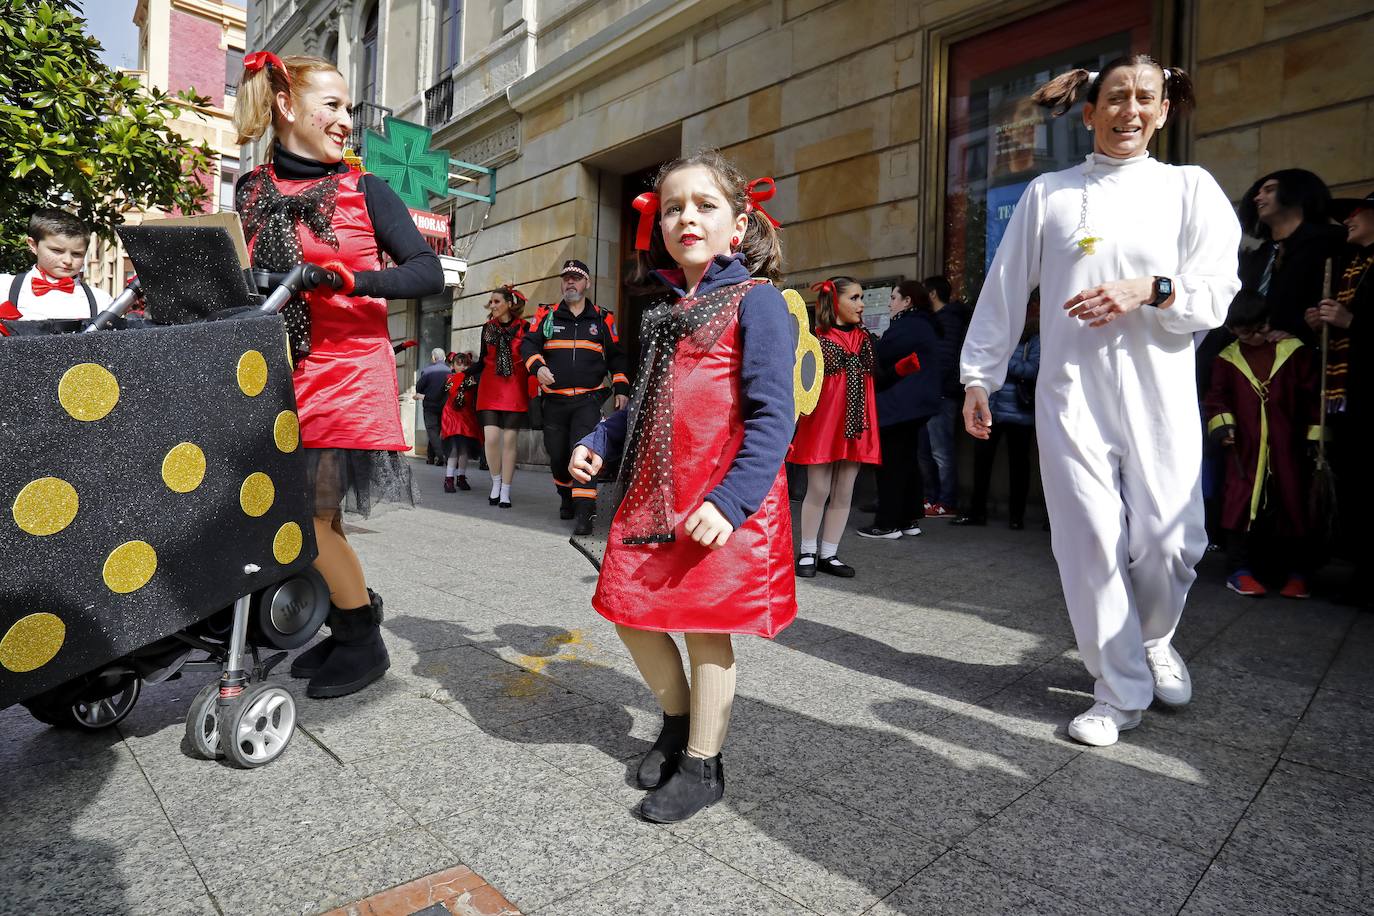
(156, 519)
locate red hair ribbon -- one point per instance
(755, 193)
(515, 293)
(826, 286)
(259, 59)
(647, 205)
(9, 312)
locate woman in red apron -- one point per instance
(503, 389)
(701, 543)
(306, 204)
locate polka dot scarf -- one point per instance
(502, 337)
(675, 336)
(856, 367)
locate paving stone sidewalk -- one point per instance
(899, 749)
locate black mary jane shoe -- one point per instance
(696, 784)
(504, 504)
(661, 761)
(493, 500)
(462, 482)
(806, 570)
(836, 567)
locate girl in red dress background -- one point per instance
(458, 424)
(306, 204)
(701, 543)
(842, 432)
(503, 388)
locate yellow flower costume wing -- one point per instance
(809, 370)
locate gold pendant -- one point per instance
(1088, 244)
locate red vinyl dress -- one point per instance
(745, 587)
(497, 392)
(821, 435)
(346, 394)
(459, 420)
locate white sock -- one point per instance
(808, 546)
(828, 549)
(495, 485)
(505, 492)
(449, 472)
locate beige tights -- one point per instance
(711, 694)
(339, 564)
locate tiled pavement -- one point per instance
(900, 749)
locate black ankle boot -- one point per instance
(308, 662)
(586, 517)
(359, 655)
(661, 761)
(565, 507)
(696, 784)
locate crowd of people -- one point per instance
(1120, 325)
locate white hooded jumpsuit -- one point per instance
(1116, 406)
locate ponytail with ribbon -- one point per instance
(260, 59)
(514, 294)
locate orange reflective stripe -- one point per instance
(618, 378)
(583, 493)
(569, 392)
(562, 483)
(573, 345)
(529, 363)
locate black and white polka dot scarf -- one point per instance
(675, 336)
(502, 337)
(856, 368)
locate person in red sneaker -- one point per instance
(1262, 407)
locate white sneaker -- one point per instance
(913, 531)
(1101, 725)
(1173, 685)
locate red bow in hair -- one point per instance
(647, 205)
(515, 293)
(826, 286)
(42, 285)
(9, 311)
(755, 193)
(259, 59)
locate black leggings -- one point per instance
(1018, 464)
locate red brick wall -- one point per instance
(195, 58)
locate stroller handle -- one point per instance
(303, 277)
(116, 309)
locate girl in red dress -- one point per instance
(306, 204)
(458, 424)
(503, 393)
(701, 543)
(842, 432)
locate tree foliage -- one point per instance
(79, 135)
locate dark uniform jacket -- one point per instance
(579, 350)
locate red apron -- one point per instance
(747, 586)
(459, 421)
(511, 392)
(346, 394)
(820, 437)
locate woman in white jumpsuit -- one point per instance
(1140, 255)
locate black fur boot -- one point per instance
(661, 761)
(308, 662)
(359, 655)
(696, 784)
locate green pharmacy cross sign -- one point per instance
(401, 157)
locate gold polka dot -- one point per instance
(252, 373)
(287, 431)
(129, 566)
(87, 391)
(256, 494)
(286, 546)
(45, 506)
(184, 468)
(32, 642)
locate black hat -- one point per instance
(574, 266)
(1342, 207)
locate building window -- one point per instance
(450, 44)
(233, 69)
(998, 140)
(228, 177)
(368, 88)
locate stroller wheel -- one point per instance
(258, 726)
(90, 714)
(202, 724)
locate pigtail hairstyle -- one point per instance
(262, 79)
(1060, 93)
(827, 291)
(760, 244)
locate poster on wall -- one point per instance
(876, 311)
(1001, 203)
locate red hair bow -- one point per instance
(515, 293)
(826, 286)
(647, 205)
(259, 59)
(755, 193)
(9, 312)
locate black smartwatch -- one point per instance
(1164, 288)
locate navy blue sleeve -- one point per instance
(608, 439)
(768, 336)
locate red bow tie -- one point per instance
(42, 285)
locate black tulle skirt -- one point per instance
(359, 481)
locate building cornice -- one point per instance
(629, 35)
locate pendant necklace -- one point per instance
(1087, 242)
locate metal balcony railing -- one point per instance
(366, 116)
(439, 102)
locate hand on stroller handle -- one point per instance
(303, 277)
